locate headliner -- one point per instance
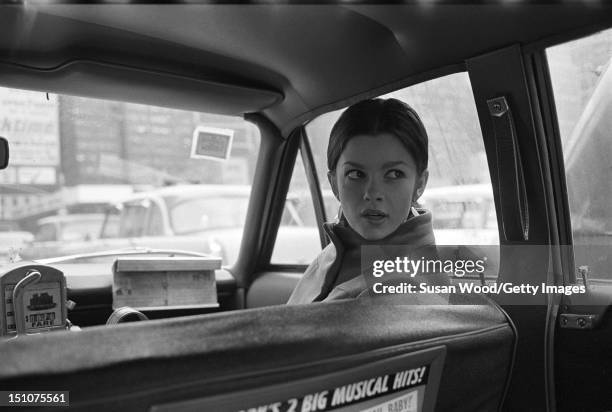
(290, 62)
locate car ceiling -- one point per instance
(290, 62)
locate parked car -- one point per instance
(205, 219)
(63, 234)
(462, 214)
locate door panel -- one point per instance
(502, 74)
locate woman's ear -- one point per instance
(331, 177)
(419, 187)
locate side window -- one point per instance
(581, 74)
(297, 240)
(459, 191)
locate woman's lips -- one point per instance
(374, 215)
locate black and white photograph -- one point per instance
(306, 206)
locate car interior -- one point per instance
(280, 67)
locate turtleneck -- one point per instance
(415, 232)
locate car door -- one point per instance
(558, 148)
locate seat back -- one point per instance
(344, 355)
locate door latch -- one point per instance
(576, 321)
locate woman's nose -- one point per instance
(372, 191)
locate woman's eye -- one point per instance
(354, 174)
(395, 174)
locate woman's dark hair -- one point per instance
(377, 116)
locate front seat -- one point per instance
(360, 354)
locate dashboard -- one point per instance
(64, 295)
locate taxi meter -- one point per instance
(33, 299)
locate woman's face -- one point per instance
(376, 182)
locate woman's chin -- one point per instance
(373, 234)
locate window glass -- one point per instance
(459, 191)
(110, 227)
(132, 221)
(196, 215)
(74, 155)
(581, 75)
(297, 241)
(156, 221)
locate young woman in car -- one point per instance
(377, 160)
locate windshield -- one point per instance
(89, 175)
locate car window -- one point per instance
(132, 221)
(155, 226)
(297, 240)
(110, 226)
(74, 155)
(581, 75)
(459, 191)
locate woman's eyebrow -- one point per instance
(383, 166)
(353, 164)
(394, 163)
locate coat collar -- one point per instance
(318, 280)
(416, 231)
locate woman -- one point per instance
(377, 160)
